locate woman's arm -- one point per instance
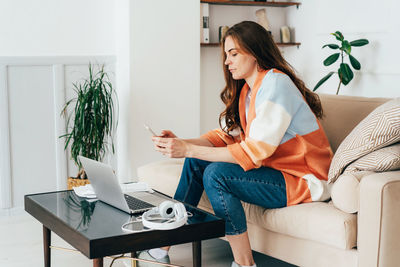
(193, 148)
(197, 141)
(209, 153)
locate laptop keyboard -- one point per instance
(136, 205)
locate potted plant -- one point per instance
(90, 132)
(344, 72)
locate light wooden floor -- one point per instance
(21, 246)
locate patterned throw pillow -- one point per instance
(381, 160)
(379, 129)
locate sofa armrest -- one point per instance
(379, 220)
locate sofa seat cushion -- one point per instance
(162, 175)
(317, 221)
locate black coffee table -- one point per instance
(94, 228)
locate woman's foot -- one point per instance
(146, 255)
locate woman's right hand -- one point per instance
(168, 134)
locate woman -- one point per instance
(271, 150)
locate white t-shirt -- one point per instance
(248, 96)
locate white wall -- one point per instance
(37, 89)
(31, 125)
(61, 27)
(44, 47)
(165, 73)
(377, 21)
(123, 54)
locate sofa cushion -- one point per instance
(353, 108)
(379, 129)
(384, 159)
(318, 221)
(162, 175)
(345, 192)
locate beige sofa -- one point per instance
(319, 234)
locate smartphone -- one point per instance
(150, 130)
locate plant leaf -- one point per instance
(333, 46)
(354, 62)
(346, 73)
(338, 35)
(346, 47)
(359, 42)
(92, 124)
(331, 59)
(323, 80)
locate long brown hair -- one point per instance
(255, 40)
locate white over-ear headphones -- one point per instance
(175, 213)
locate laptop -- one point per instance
(105, 185)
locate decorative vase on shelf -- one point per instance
(221, 32)
(285, 34)
(262, 19)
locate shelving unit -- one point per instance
(268, 3)
(251, 3)
(278, 44)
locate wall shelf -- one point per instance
(269, 3)
(278, 44)
(251, 3)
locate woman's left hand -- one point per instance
(171, 147)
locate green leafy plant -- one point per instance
(344, 72)
(93, 118)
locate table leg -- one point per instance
(46, 245)
(196, 250)
(134, 255)
(98, 262)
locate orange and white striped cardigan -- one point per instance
(281, 132)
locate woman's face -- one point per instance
(241, 65)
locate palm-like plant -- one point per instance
(344, 72)
(93, 115)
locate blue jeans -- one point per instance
(226, 184)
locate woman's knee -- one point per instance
(214, 174)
